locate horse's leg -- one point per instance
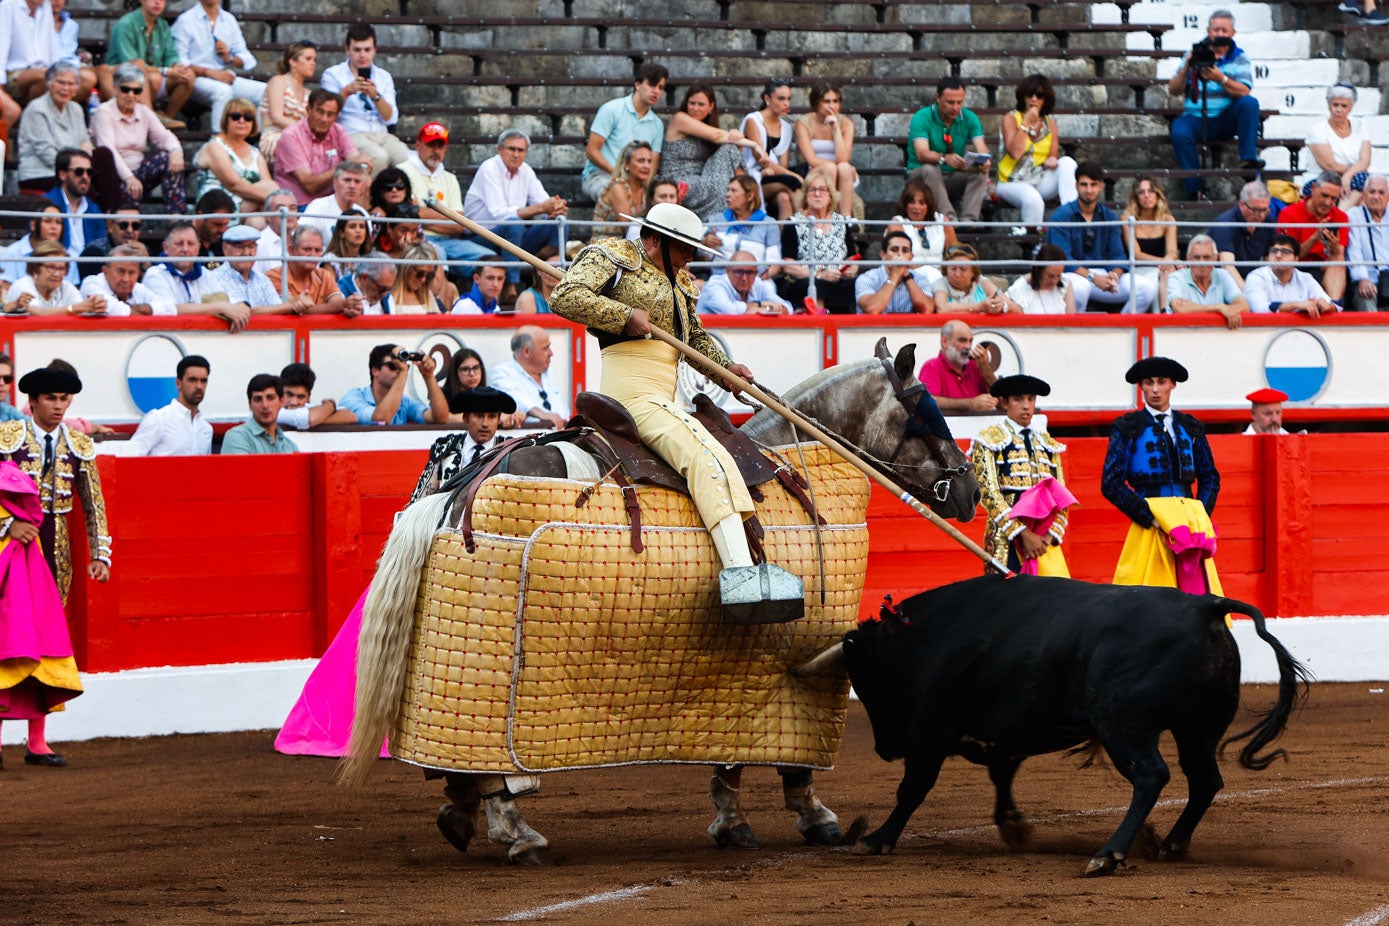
(816, 822)
(458, 818)
(730, 828)
(506, 826)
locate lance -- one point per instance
(738, 384)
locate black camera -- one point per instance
(409, 356)
(1205, 52)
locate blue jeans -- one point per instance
(455, 250)
(1239, 120)
(529, 238)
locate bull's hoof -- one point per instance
(457, 827)
(823, 834)
(1102, 864)
(536, 856)
(1015, 832)
(869, 845)
(1171, 852)
(740, 836)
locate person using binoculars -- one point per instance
(1216, 78)
(385, 401)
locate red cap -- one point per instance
(1266, 396)
(434, 131)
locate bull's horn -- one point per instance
(822, 663)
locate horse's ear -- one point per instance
(880, 349)
(905, 364)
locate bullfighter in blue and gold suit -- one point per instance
(1155, 457)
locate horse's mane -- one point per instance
(829, 379)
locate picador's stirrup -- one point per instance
(764, 594)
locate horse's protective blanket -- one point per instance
(555, 646)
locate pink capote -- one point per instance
(1192, 549)
(320, 723)
(32, 623)
(1037, 509)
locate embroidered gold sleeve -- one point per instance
(1058, 526)
(991, 495)
(88, 485)
(578, 297)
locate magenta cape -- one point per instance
(320, 723)
(1037, 508)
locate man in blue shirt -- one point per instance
(385, 401)
(619, 121)
(1230, 110)
(1089, 233)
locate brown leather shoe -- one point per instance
(170, 123)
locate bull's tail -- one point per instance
(1293, 677)
(384, 644)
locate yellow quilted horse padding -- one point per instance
(554, 646)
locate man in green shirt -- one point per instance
(262, 434)
(143, 37)
(937, 140)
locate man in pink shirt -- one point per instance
(310, 149)
(960, 376)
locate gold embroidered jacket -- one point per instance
(1005, 471)
(74, 471)
(614, 275)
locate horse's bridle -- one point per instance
(912, 398)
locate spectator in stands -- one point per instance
(465, 371)
(51, 123)
(230, 162)
(661, 190)
(526, 377)
(535, 300)
(74, 170)
(821, 237)
(505, 191)
(1094, 249)
(47, 226)
(1244, 232)
(627, 191)
(745, 227)
(1202, 286)
(297, 380)
(618, 123)
(1219, 95)
(211, 45)
(350, 179)
(27, 47)
(270, 248)
(242, 282)
(1368, 252)
(400, 229)
(937, 140)
(963, 287)
(373, 280)
(1266, 411)
(178, 429)
(308, 277)
(350, 240)
(389, 188)
(1044, 290)
(384, 401)
(1341, 146)
(927, 227)
(265, 394)
(134, 150)
(413, 293)
(959, 377)
(189, 285)
(1153, 235)
(68, 35)
(1280, 287)
(699, 153)
(45, 289)
(771, 132)
(7, 411)
(894, 289)
(741, 290)
(286, 97)
(1321, 232)
(825, 141)
(142, 39)
(212, 217)
(123, 227)
(119, 285)
(368, 103)
(309, 150)
(431, 184)
(488, 279)
(1031, 167)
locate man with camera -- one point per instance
(1319, 226)
(1216, 77)
(385, 401)
(1369, 247)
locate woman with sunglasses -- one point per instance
(350, 241)
(286, 98)
(1032, 169)
(964, 288)
(819, 236)
(134, 151)
(48, 226)
(413, 293)
(390, 188)
(230, 162)
(45, 290)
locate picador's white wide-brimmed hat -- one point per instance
(675, 222)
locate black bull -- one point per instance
(996, 670)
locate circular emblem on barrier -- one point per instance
(691, 382)
(441, 345)
(1003, 351)
(1297, 362)
(150, 371)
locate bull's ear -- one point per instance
(905, 364)
(880, 349)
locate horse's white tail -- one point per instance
(384, 645)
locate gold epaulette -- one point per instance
(995, 437)
(12, 435)
(81, 445)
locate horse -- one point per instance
(894, 427)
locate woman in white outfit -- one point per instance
(771, 131)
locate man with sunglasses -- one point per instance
(937, 140)
(1243, 233)
(7, 411)
(123, 227)
(73, 167)
(1088, 232)
(384, 401)
(430, 183)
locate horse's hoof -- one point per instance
(456, 827)
(536, 856)
(1102, 865)
(825, 834)
(737, 837)
(1015, 833)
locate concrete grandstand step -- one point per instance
(1260, 46)
(1295, 126)
(1249, 17)
(1276, 72)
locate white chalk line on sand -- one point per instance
(1375, 917)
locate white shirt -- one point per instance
(26, 41)
(1368, 251)
(359, 114)
(718, 297)
(172, 431)
(517, 383)
(496, 195)
(1166, 422)
(1262, 289)
(140, 294)
(1046, 302)
(269, 252)
(64, 295)
(323, 215)
(196, 37)
(160, 281)
(1343, 150)
(297, 418)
